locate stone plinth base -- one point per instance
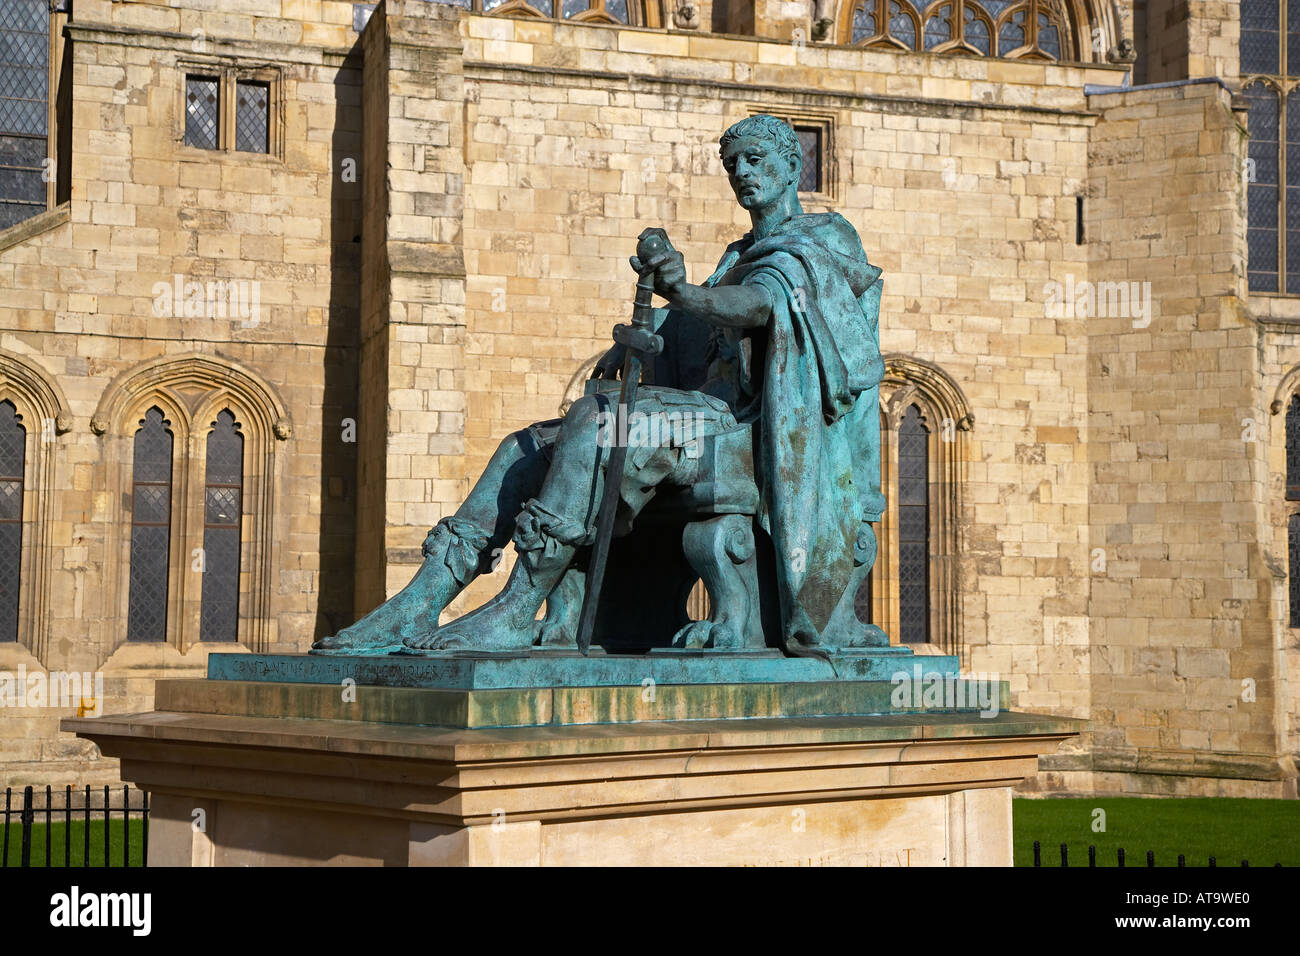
(918, 790)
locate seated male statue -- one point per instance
(782, 341)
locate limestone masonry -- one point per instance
(433, 249)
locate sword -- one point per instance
(641, 342)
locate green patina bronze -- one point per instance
(748, 455)
(527, 692)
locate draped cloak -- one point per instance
(809, 380)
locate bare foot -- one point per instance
(496, 626)
(411, 613)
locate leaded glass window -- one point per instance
(24, 108)
(1268, 49)
(1037, 29)
(13, 449)
(202, 111)
(1293, 569)
(864, 23)
(976, 29)
(252, 117)
(810, 145)
(1262, 187)
(151, 507)
(222, 504)
(902, 24)
(1260, 26)
(636, 12)
(938, 29)
(913, 528)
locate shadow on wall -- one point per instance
(338, 457)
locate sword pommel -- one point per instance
(652, 243)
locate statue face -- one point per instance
(758, 173)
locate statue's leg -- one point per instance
(559, 628)
(456, 551)
(548, 533)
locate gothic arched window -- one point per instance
(222, 515)
(913, 592)
(1034, 29)
(641, 13)
(1269, 47)
(13, 458)
(221, 424)
(151, 509)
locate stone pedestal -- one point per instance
(354, 761)
(275, 772)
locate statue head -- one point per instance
(763, 160)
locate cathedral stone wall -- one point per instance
(1183, 611)
(80, 307)
(440, 240)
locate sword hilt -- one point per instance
(651, 244)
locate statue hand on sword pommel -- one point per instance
(655, 255)
(656, 262)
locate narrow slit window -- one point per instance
(222, 504)
(1293, 449)
(810, 145)
(13, 447)
(151, 508)
(913, 529)
(1293, 570)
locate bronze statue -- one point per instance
(765, 485)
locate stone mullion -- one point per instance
(885, 586)
(255, 628)
(945, 484)
(188, 488)
(1283, 97)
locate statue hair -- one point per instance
(774, 130)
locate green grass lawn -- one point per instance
(78, 834)
(1261, 831)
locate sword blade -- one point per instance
(608, 506)
(642, 316)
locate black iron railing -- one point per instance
(1092, 857)
(38, 822)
